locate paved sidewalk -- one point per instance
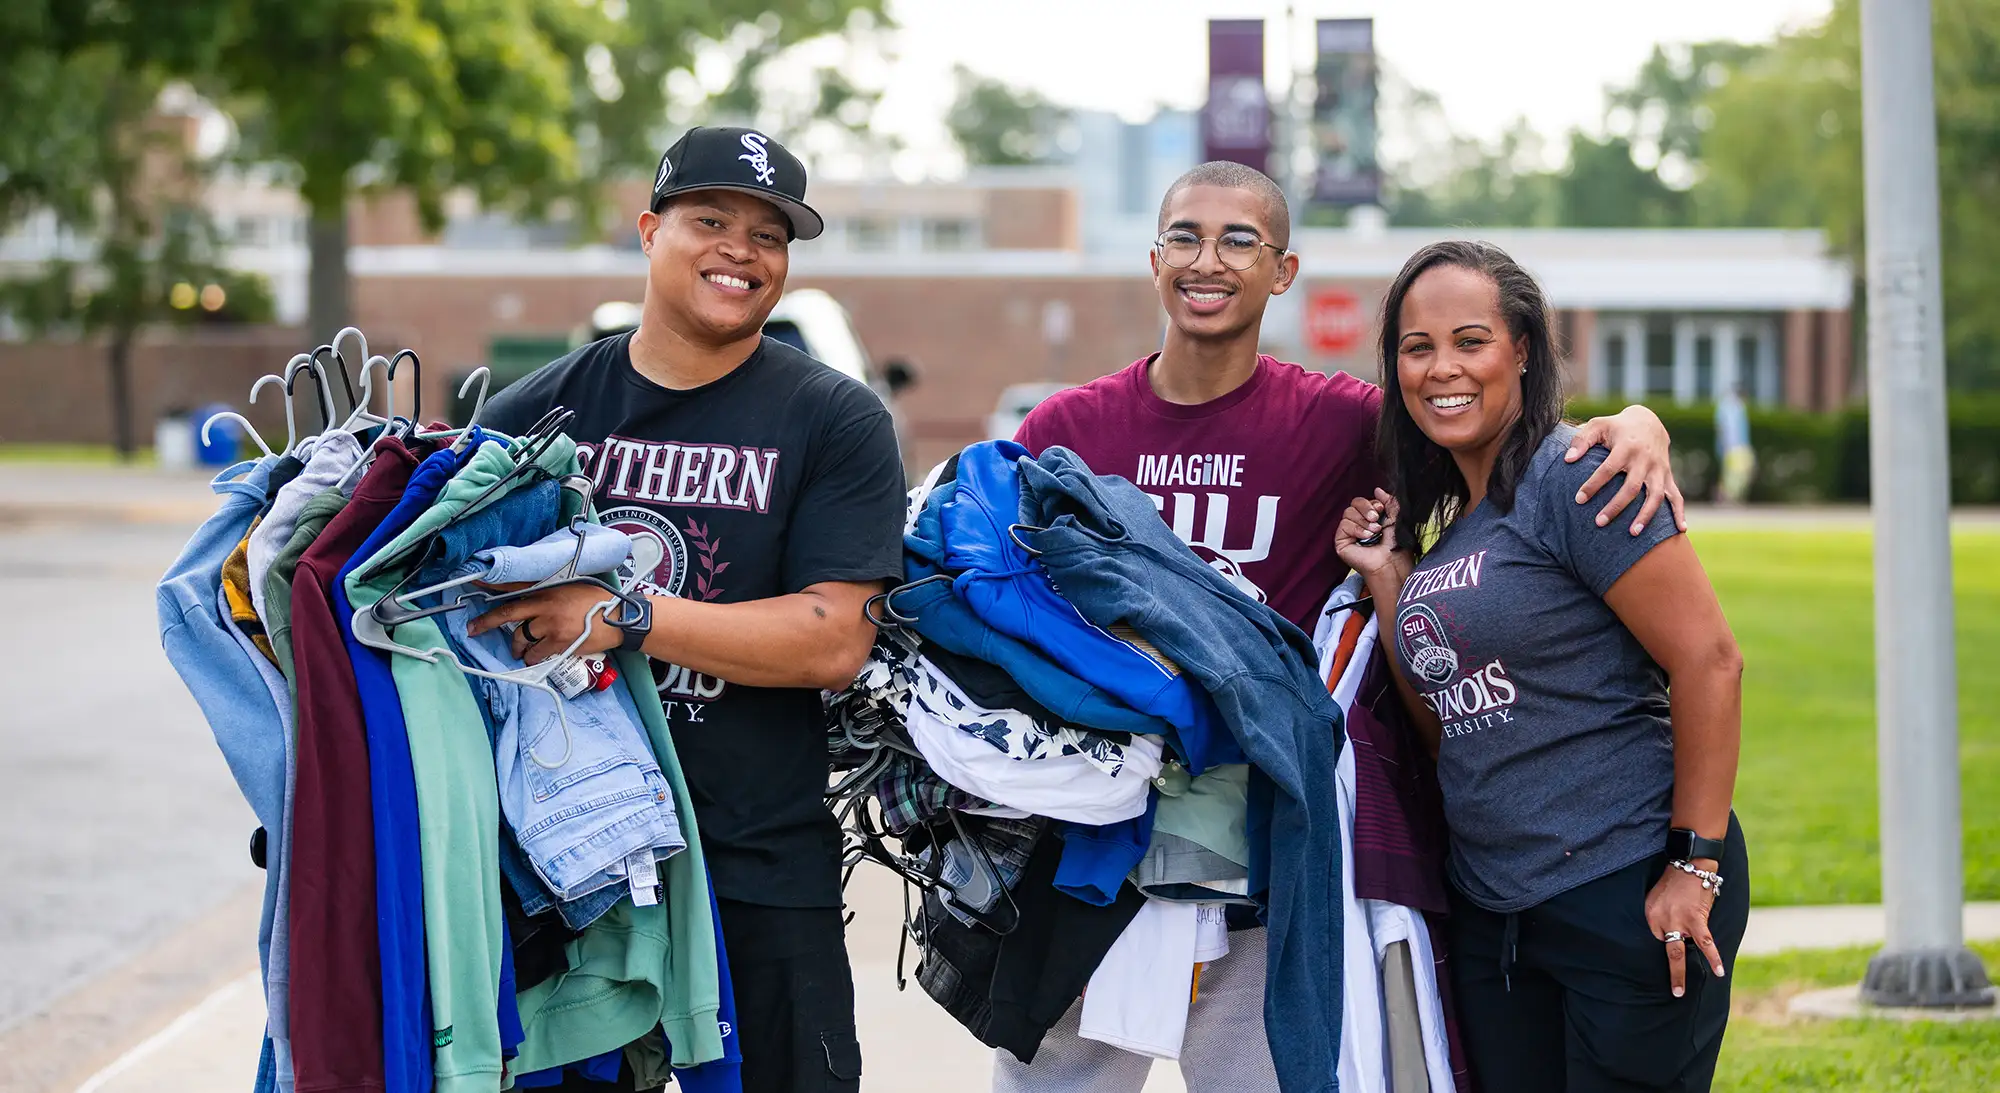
(909, 1045)
(36, 493)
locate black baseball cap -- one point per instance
(745, 160)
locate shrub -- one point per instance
(1805, 457)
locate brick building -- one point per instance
(995, 280)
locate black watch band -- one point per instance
(1685, 845)
(638, 628)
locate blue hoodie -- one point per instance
(1105, 546)
(1011, 592)
(947, 620)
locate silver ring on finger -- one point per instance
(1675, 935)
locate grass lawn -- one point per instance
(100, 454)
(1801, 603)
(1765, 1053)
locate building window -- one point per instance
(1756, 380)
(868, 233)
(1614, 364)
(941, 233)
(1704, 367)
(1659, 359)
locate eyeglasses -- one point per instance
(1237, 250)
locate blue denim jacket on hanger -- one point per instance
(1107, 548)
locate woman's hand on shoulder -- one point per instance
(1372, 518)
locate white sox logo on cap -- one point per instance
(758, 157)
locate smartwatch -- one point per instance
(638, 627)
(1685, 845)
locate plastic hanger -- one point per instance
(370, 632)
(881, 610)
(417, 389)
(360, 355)
(363, 415)
(305, 363)
(346, 382)
(231, 415)
(291, 419)
(484, 377)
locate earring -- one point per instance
(1524, 369)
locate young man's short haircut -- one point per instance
(1236, 176)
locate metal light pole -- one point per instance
(1925, 962)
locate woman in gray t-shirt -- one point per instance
(1589, 803)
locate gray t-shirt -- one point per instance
(1557, 762)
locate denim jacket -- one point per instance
(1104, 544)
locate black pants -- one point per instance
(794, 998)
(1573, 995)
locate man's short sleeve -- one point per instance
(848, 523)
(1025, 434)
(1598, 556)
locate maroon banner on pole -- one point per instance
(1236, 123)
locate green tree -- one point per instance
(523, 102)
(1476, 184)
(1602, 186)
(999, 125)
(1784, 150)
(84, 145)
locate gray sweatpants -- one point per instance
(1224, 1049)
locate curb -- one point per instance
(16, 515)
(64, 1043)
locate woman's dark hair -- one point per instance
(1422, 473)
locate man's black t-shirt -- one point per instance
(780, 475)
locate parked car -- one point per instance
(806, 319)
(1013, 406)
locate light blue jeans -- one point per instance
(580, 800)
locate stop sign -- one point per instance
(1334, 323)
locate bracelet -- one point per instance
(1711, 882)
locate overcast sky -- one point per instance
(1488, 61)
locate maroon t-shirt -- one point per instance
(1255, 481)
(336, 954)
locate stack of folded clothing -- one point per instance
(1070, 719)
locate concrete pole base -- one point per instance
(1927, 977)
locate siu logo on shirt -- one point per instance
(1210, 469)
(1421, 636)
(654, 540)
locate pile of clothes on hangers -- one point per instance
(479, 874)
(1091, 754)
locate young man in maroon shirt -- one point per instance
(1251, 462)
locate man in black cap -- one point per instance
(773, 488)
